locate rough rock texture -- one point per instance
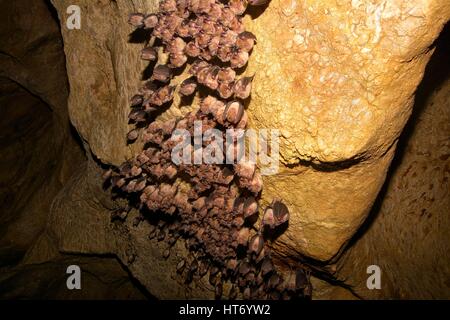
(408, 234)
(350, 69)
(38, 156)
(37, 148)
(102, 279)
(338, 78)
(81, 223)
(104, 71)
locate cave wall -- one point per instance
(407, 234)
(337, 78)
(351, 89)
(38, 149)
(27, 128)
(104, 69)
(351, 84)
(40, 152)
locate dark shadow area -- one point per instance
(52, 10)
(76, 137)
(148, 71)
(40, 151)
(256, 11)
(140, 36)
(25, 124)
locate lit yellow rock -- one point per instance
(337, 78)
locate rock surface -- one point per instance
(104, 70)
(39, 154)
(37, 149)
(350, 71)
(409, 233)
(80, 223)
(337, 78)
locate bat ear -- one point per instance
(150, 21)
(188, 86)
(281, 212)
(137, 100)
(136, 20)
(233, 112)
(132, 135)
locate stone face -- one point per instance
(102, 279)
(38, 156)
(32, 57)
(37, 149)
(104, 71)
(337, 78)
(408, 237)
